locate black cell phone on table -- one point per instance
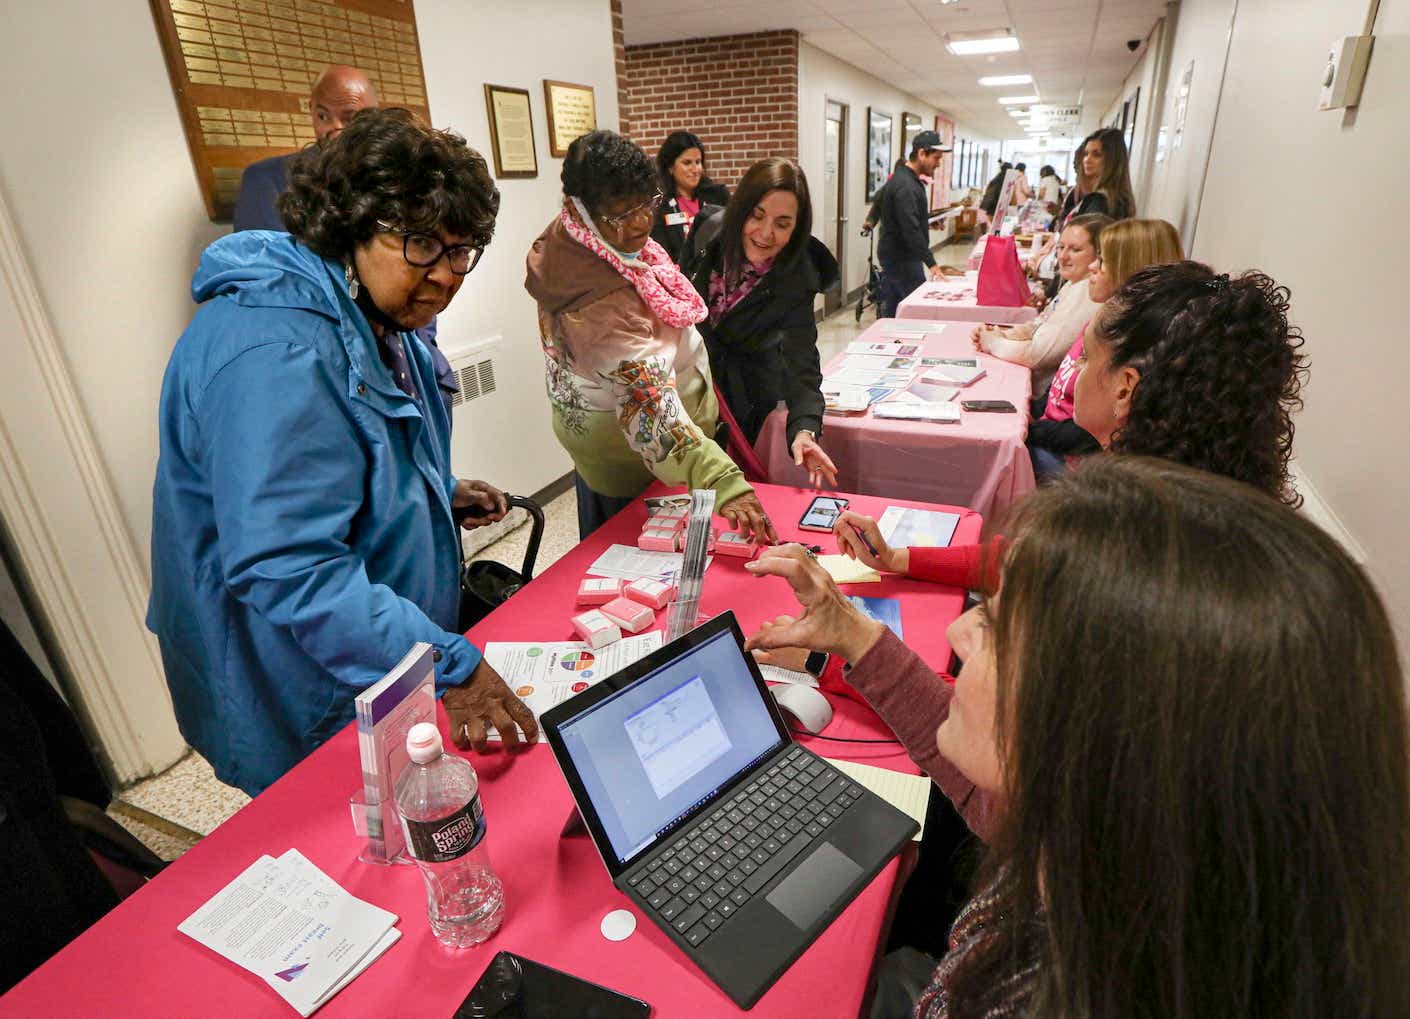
(513, 987)
(822, 513)
(989, 406)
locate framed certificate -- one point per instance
(511, 131)
(572, 113)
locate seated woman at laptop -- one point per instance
(1189, 820)
(1158, 352)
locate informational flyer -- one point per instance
(903, 527)
(292, 925)
(629, 562)
(546, 674)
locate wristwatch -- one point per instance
(816, 663)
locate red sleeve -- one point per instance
(913, 700)
(972, 567)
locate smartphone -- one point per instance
(989, 406)
(822, 513)
(514, 987)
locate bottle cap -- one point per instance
(423, 742)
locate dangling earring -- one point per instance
(351, 278)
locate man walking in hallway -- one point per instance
(904, 250)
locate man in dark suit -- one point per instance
(338, 94)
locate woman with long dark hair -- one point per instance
(1186, 818)
(1104, 185)
(758, 267)
(686, 189)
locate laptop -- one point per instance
(739, 844)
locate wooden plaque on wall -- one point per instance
(242, 70)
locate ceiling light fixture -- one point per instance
(1006, 79)
(968, 44)
(1017, 100)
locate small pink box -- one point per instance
(671, 513)
(595, 628)
(598, 590)
(735, 544)
(666, 523)
(629, 615)
(657, 540)
(651, 593)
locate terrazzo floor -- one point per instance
(172, 811)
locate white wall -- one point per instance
(1318, 201)
(1170, 188)
(100, 181)
(821, 77)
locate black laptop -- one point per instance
(739, 844)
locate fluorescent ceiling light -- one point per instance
(1017, 100)
(1006, 79)
(967, 44)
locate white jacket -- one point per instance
(1041, 343)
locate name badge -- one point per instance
(676, 219)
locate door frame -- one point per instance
(835, 298)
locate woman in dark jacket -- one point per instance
(686, 191)
(758, 267)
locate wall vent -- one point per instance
(474, 368)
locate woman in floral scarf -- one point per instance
(627, 373)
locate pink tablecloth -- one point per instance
(134, 962)
(981, 462)
(954, 300)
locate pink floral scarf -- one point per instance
(658, 280)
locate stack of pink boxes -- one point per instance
(623, 605)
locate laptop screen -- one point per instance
(650, 753)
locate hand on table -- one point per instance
(950, 270)
(482, 494)
(485, 700)
(849, 543)
(747, 515)
(828, 622)
(807, 453)
(936, 272)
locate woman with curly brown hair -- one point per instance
(303, 536)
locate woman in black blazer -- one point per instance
(758, 267)
(686, 190)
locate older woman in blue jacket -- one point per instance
(302, 534)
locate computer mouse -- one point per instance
(807, 705)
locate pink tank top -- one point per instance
(1063, 391)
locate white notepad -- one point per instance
(909, 794)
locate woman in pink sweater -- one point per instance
(1186, 817)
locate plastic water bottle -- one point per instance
(438, 796)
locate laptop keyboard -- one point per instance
(705, 874)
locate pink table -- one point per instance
(953, 299)
(134, 962)
(981, 462)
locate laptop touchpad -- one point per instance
(818, 882)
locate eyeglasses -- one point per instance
(424, 251)
(645, 209)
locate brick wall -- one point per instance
(619, 52)
(739, 93)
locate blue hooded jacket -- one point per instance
(302, 537)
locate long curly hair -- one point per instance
(1220, 372)
(388, 165)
